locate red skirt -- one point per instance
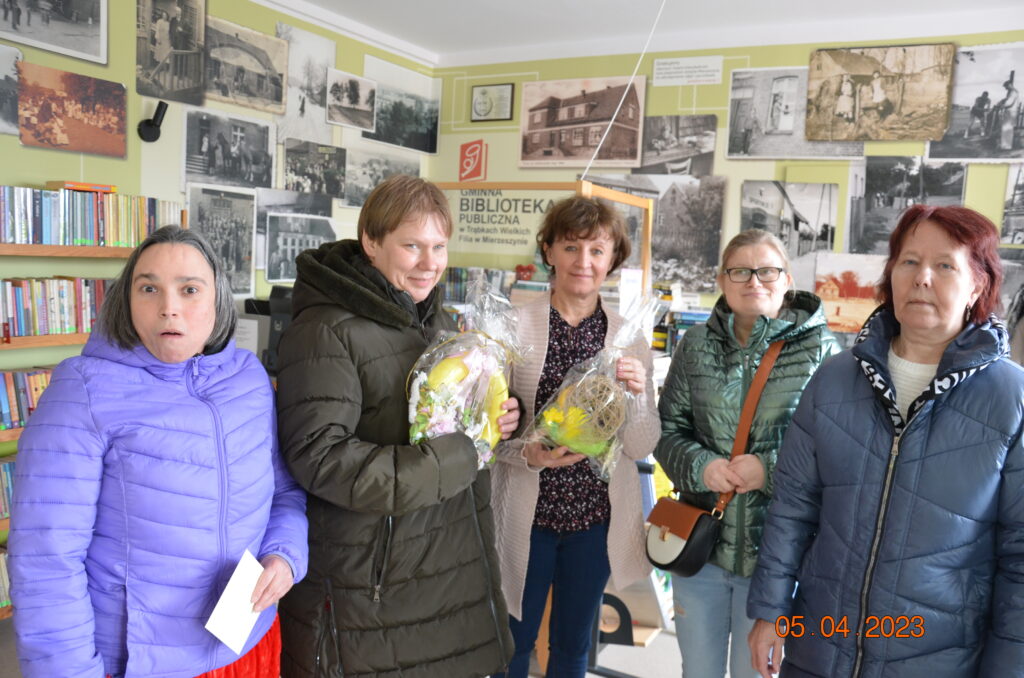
(262, 661)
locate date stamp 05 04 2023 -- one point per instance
(874, 627)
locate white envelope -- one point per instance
(232, 618)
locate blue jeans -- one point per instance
(575, 565)
(710, 606)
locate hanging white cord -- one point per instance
(615, 115)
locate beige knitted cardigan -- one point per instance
(515, 486)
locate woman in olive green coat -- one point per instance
(700, 411)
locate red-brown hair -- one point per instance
(965, 227)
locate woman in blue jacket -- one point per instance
(894, 545)
(148, 469)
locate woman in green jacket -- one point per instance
(700, 411)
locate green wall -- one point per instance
(155, 169)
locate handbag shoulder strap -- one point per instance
(739, 445)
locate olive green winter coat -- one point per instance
(403, 579)
(701, 402)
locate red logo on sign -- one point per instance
(473, 161)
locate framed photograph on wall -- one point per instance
(492, 102)
(71, 112)
(170, 38)
(245, 67)
(77, 29)
(226, 217)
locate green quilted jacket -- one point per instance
(701, 402)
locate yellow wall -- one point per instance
(155, 169)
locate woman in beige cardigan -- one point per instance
(558, 525)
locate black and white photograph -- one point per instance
(367, 167)
(75, 28)
(287, 236)
(170, 37)
(892, 93)
(351, 100)
(309, 57)
(310, 167)
(687, 229)
(226, 149)
(9, 58)
(1012, 297)
(802, 215)
(407, 104)
(281, 201)
(245, 67)
(66, 111)
(892, 184)
(679, 144)
(562, 122)
(492, 102)
(225, 216)
(986, 123)
(767, 116)
(1013, 206)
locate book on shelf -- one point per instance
(80, 186)
(43, 306)
(6, 487)
(67, 217)
(20, 391)
(5, 581)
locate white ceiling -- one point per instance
(470, 32)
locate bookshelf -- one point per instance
(43, 340)
(69, 251)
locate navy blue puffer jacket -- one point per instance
(922, 520)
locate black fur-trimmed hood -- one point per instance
(339, 274)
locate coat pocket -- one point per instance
(382, 555)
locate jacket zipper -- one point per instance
(329, 623)
(487, 573)
(869, 573)
(381, 567)
(221, 471)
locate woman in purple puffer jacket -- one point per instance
(148, 469)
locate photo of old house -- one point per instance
(678, 144)
(846, 284)
(687, 228)
(767, 115)
(225, 149)
(987, 120)
(891, 93)
(288, 235)
(883, 186)
(170, 38)
(562, 122)
(245, 67)
(275, 200)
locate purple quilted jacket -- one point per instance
(139, 484)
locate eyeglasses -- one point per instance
(765, 274)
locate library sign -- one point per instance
(502, 223)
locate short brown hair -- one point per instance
(579, 218)
(965, 227)
(398, 198)
(754, 236)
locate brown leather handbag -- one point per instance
(681, 537)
